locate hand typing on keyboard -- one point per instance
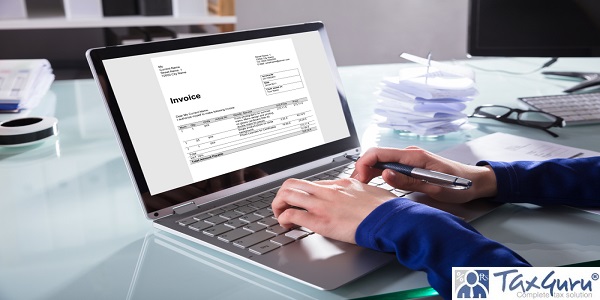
(422, 237)
(331, 208)
(335, 208)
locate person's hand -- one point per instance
(483, 178)
(331, 208)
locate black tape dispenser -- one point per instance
(25, 131)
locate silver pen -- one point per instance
(427, 176)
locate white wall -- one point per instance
(371, 31)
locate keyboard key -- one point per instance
(305, 230)
(323, 176)
(400, 193)
(268, 197)
(233, 235)
(264, 212)
(277, 229)
(260, 204)
(216, 230)
(215, 212)
(249, 218)
(333, 173)
(235, 223)
(186, 222)
(215, 220)
(264, 247)
(296, 234)
(268, 202)
(230, 207)
(202, 216)
(245, 209)
(377, 181)
(230, 215)
(269, 221)
(253, 239)
(199, 226)
(243, 202)
(254, 227)
(344, 175)
(282, 240)
(269, 194)
(255, 198)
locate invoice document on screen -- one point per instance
(238, 106)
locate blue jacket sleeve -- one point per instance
(574, 182)
(431, 240)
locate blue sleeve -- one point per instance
(431, 240)
(566, 181)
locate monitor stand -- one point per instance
(590, 79)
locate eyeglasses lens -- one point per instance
(539, 119)
(492, 111)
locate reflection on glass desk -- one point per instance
(72, 227)
(165, 261)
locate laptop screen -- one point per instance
(201, 115)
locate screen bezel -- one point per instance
(98, 55)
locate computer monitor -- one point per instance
(534, 28)
(537, 28)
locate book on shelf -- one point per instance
(120, 8)
(155, 7)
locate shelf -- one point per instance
(60, 22)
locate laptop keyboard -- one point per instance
(250, 224)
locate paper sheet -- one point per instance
(506, 147)
(427, 93)
(459, 71)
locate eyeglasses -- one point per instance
(529, 118)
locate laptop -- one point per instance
(211, 126)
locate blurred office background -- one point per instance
(361, 32)
(373, 31)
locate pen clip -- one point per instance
(449, 186)
(441, 179)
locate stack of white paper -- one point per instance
(23, 83)
(428, 100)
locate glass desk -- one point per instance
(72, 227)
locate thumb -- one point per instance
(401, 181)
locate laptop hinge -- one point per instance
(181, 209)
(341, 158)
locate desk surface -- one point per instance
(72, 226)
